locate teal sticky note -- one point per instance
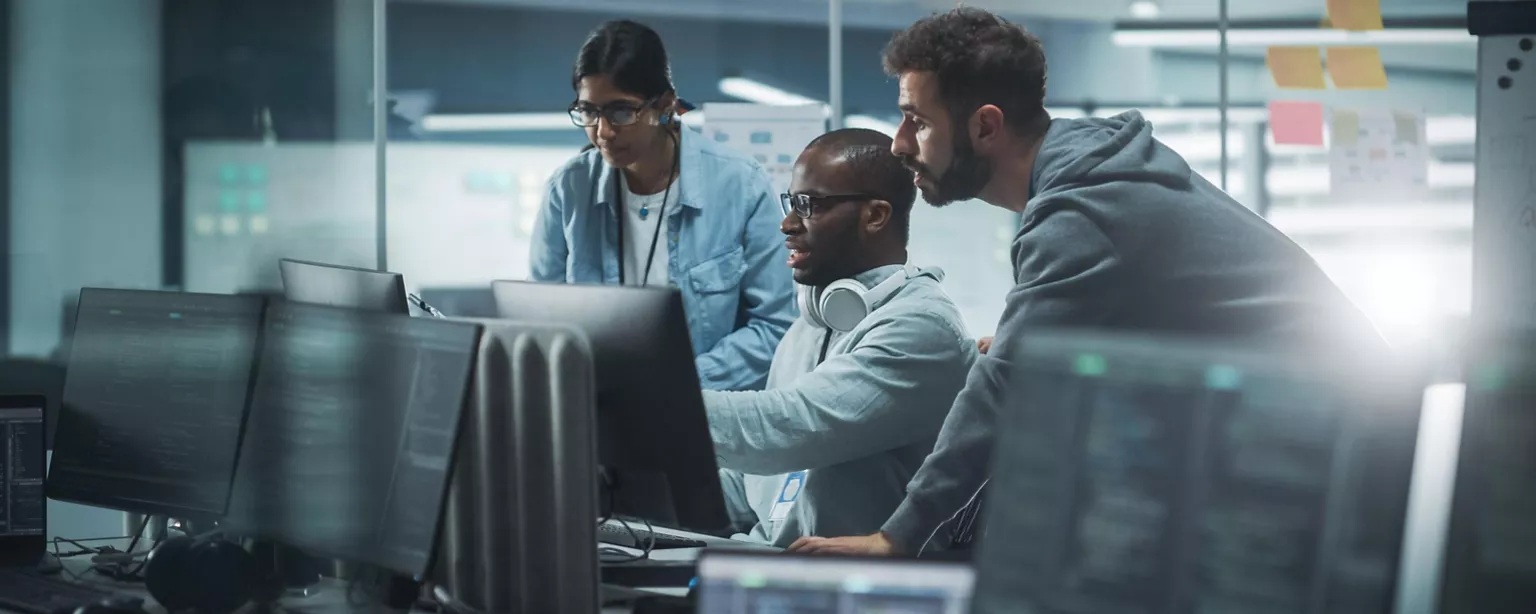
(256, 174)
(229, 174)
(1092, 365)
(1489, 377)
(1223, 377)
(256, 201)
(229, 200)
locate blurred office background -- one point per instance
(190, 143)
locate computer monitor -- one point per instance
(654, 445)
(343, 286)
(23, 465)
(1490, 547)
(770, 583)
(1159, 476)
(349, 444)
(154, 399)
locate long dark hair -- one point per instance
(629, 53)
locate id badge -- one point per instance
(787, 496)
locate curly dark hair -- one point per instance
(979, 59)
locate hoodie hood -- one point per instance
(1099, 150)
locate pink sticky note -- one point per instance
(1296, 123)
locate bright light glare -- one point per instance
(1401, 288)
(761, 93)
(1144, 9)
(1316, 36)
(497, 122)
(870, 123)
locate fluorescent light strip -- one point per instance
(762, 93)
(497, 122)
(870, 123)
(1297, 36)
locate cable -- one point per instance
(144, 524)
(647, 545)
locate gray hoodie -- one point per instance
(1120, 234)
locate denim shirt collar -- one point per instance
(689, 180)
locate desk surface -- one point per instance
(330, 595)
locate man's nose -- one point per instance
(903, 145)
(791, 224)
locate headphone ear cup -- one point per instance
(165, 574)
(841, 305)
(223, 576)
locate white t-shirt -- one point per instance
(638, 233)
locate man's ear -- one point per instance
(987, 128)
(877, 215)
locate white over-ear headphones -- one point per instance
(842, 304)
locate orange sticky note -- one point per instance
(1296, 123)
(1296, 67)
(1355, 14)
(1356, 68)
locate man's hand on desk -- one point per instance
(983, 344)
(867, 545)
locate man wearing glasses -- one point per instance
(860, 384)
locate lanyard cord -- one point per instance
(826, 340)
(661, 215)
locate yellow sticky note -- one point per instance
(1356, 68)
(1346, 128)
(1355, 14)
(1296, 67)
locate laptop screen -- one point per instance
(23, 464)
(774, 583)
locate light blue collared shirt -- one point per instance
(725, 252)
(854, 427)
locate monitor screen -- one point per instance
(343, 286)
(1159, 477)
(154, 399)
(1490, 548)
(23, 455)
(774, 583)
(353, 421)
(653, 435)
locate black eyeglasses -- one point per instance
(586, 115)
(804, 204)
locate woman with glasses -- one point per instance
(651, 203)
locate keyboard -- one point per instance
(615, 533)
(29, 591)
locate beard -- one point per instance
(966, 176)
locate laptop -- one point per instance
(746, 582)
(24, 513)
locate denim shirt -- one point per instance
(725, 252)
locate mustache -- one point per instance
(917, 168)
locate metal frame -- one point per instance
(5, 176)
